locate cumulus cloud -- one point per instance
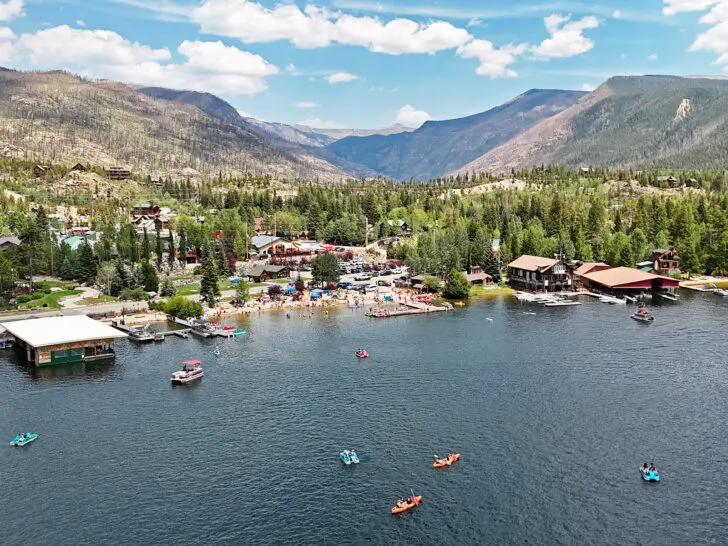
(80, 23)
(341, 77)
(616, 14)
(567, 37)
(209, 66)
(410, 116)
(10, 9)
(715, 39)
(307, 105)
(313, 27)
(492, 61)
(587, 87)
(652, 57)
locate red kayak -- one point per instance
(362, 354)
(403, 506)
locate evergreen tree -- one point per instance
(150, 279)
(158, 249)
(146, 249)
(209, 289)
(133, 245)
(456, 287)
(170, 254)
(87, 264)
(67, 270)
(125, 280)
(168, 288)
(183, 247)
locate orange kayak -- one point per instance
(447, 461)
(406, 505)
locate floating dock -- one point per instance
(143, 336)
(414, 309)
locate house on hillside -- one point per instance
(535, 273)
(9, 241)
(146, 208)
(118, 173)
(264, 272)
(404, 229)
(670, 180)
(666, 262)
(40, 170)
(477, 276)
(78, 167)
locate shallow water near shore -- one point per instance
(553, 413)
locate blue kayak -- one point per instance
(345, 457)
(23, 439)
(650, 475)
(354, 457)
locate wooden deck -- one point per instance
(150, 336)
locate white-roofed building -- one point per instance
(60, 340)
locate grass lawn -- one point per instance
(476, 291)
(280, 281)
(103, 298)
(50, 301)
(188, 289)
(65, 285)
(225, 284)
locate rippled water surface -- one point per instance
(552, 413)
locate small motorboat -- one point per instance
(24, 438)
(216, 352)
(643, 315)
(403, 506)
(353, 456)
(649, 475)
(191, 371)
(345, 458)
(361, 353)
(447, 461)
(489, 319)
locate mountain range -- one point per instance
(636, 121)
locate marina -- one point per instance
(410, 308)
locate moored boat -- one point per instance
(191, 371)
(643, 315)
(353, 456)
(23, 438)
(447, 461)
(361, 353)
(344, 455)
(403, 506)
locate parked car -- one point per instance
(370, 288)
(382, 282)
(344, 285)
(362, 277)
(339, 249)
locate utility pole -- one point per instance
(52, 245)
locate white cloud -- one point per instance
(317, 27)
(10, 9)
(567, 38)
(652, 57)
(493, 61)
(714, 39)
(616, 14)
(7, 49)
(410, 116)
(587, 87)
(209, 66)
(676, 6)
(317, 123)
(80, 23)
(307, 105)
(341, 77)
(475, 22)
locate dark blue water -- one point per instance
(552, 413)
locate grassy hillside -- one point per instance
(58, 117)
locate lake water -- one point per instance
(553, 414)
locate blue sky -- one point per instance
(365, 63)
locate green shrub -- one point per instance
(23, 298)
(138, 294)
(179, 306)
(457, 287)
(37, 295)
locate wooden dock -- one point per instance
(143, 336)
(414, 309)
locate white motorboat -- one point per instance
(612, 300)
(720, 292)
(562, 303)
(191, 371)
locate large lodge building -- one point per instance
(537, 274)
